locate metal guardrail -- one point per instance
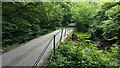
(41, 54)
(54, 46)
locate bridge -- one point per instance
(36, 52)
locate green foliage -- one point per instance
(68, 14)
(82, 14)
(23, 21)
(107, 25)
(102, 20)
(84, 54)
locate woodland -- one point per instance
(97, 30)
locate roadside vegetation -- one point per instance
(23, 21)
(83, 52)
(96, 40)
(94, 43)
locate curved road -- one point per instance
(26, 54)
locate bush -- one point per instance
(84, 54)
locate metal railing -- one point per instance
(63, 33)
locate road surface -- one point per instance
(26, 54)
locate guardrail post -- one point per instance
(54, 44)
(65, 32)
(61, 35)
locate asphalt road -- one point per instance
(26, 54)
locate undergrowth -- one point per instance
(84, 53)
